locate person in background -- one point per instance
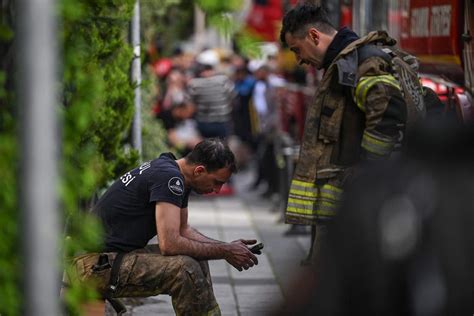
(212, 93)
(243, 111)
(180, 126)
(175, 89)
(264, 101)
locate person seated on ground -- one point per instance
(181, 128)
(153, 200)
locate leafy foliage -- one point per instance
(220, 15)
(10, 263)
(213, 7)
(154, 136)
(97, 115)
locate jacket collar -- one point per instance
(340, 41)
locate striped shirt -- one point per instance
(212, 96)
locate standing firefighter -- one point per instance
(153, 199)
(367, 100)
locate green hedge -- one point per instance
(95, 115)
(9, 216)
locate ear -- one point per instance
(314, 35)
(199, 170)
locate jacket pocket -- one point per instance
(331, 118)
(86, 273)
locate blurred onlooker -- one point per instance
(212, 93)
(264, 100)
(181, 128)
(242, 109)
(175, 90)
(402, 241)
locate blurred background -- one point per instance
(89, 89)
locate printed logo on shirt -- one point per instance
(176, 186)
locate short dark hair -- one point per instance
(214, 154)
(299, 19)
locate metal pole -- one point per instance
(36, 91)
(199, 28)
(137, 79)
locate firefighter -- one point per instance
(359, 113)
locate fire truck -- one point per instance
(438, 32)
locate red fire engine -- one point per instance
(438, 32)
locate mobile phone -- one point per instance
(256, 249)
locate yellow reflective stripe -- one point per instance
(311, 204)
(313, 185)
(303, 193)
(303, 184)
(326, 191)
(377, 145)
(303, 202)
(322, 193)
(302, 197)
(374, 149)
(305, 189)
(325, 211)
(330, 195)
(331, 191)
(365, 83)
(380, 141)
(362, 100)
(299, 210)
(368, 81)
(332, 188)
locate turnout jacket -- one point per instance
(358, 113)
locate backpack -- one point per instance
(419, 99)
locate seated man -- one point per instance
(153, 200)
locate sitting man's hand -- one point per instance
(245, 241)
(239, 255)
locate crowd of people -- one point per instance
(222, 94)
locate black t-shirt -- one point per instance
(127, 209)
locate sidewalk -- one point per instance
(253, 292)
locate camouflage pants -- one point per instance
(145, 272)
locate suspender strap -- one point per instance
(113, 282)
(114, 273)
